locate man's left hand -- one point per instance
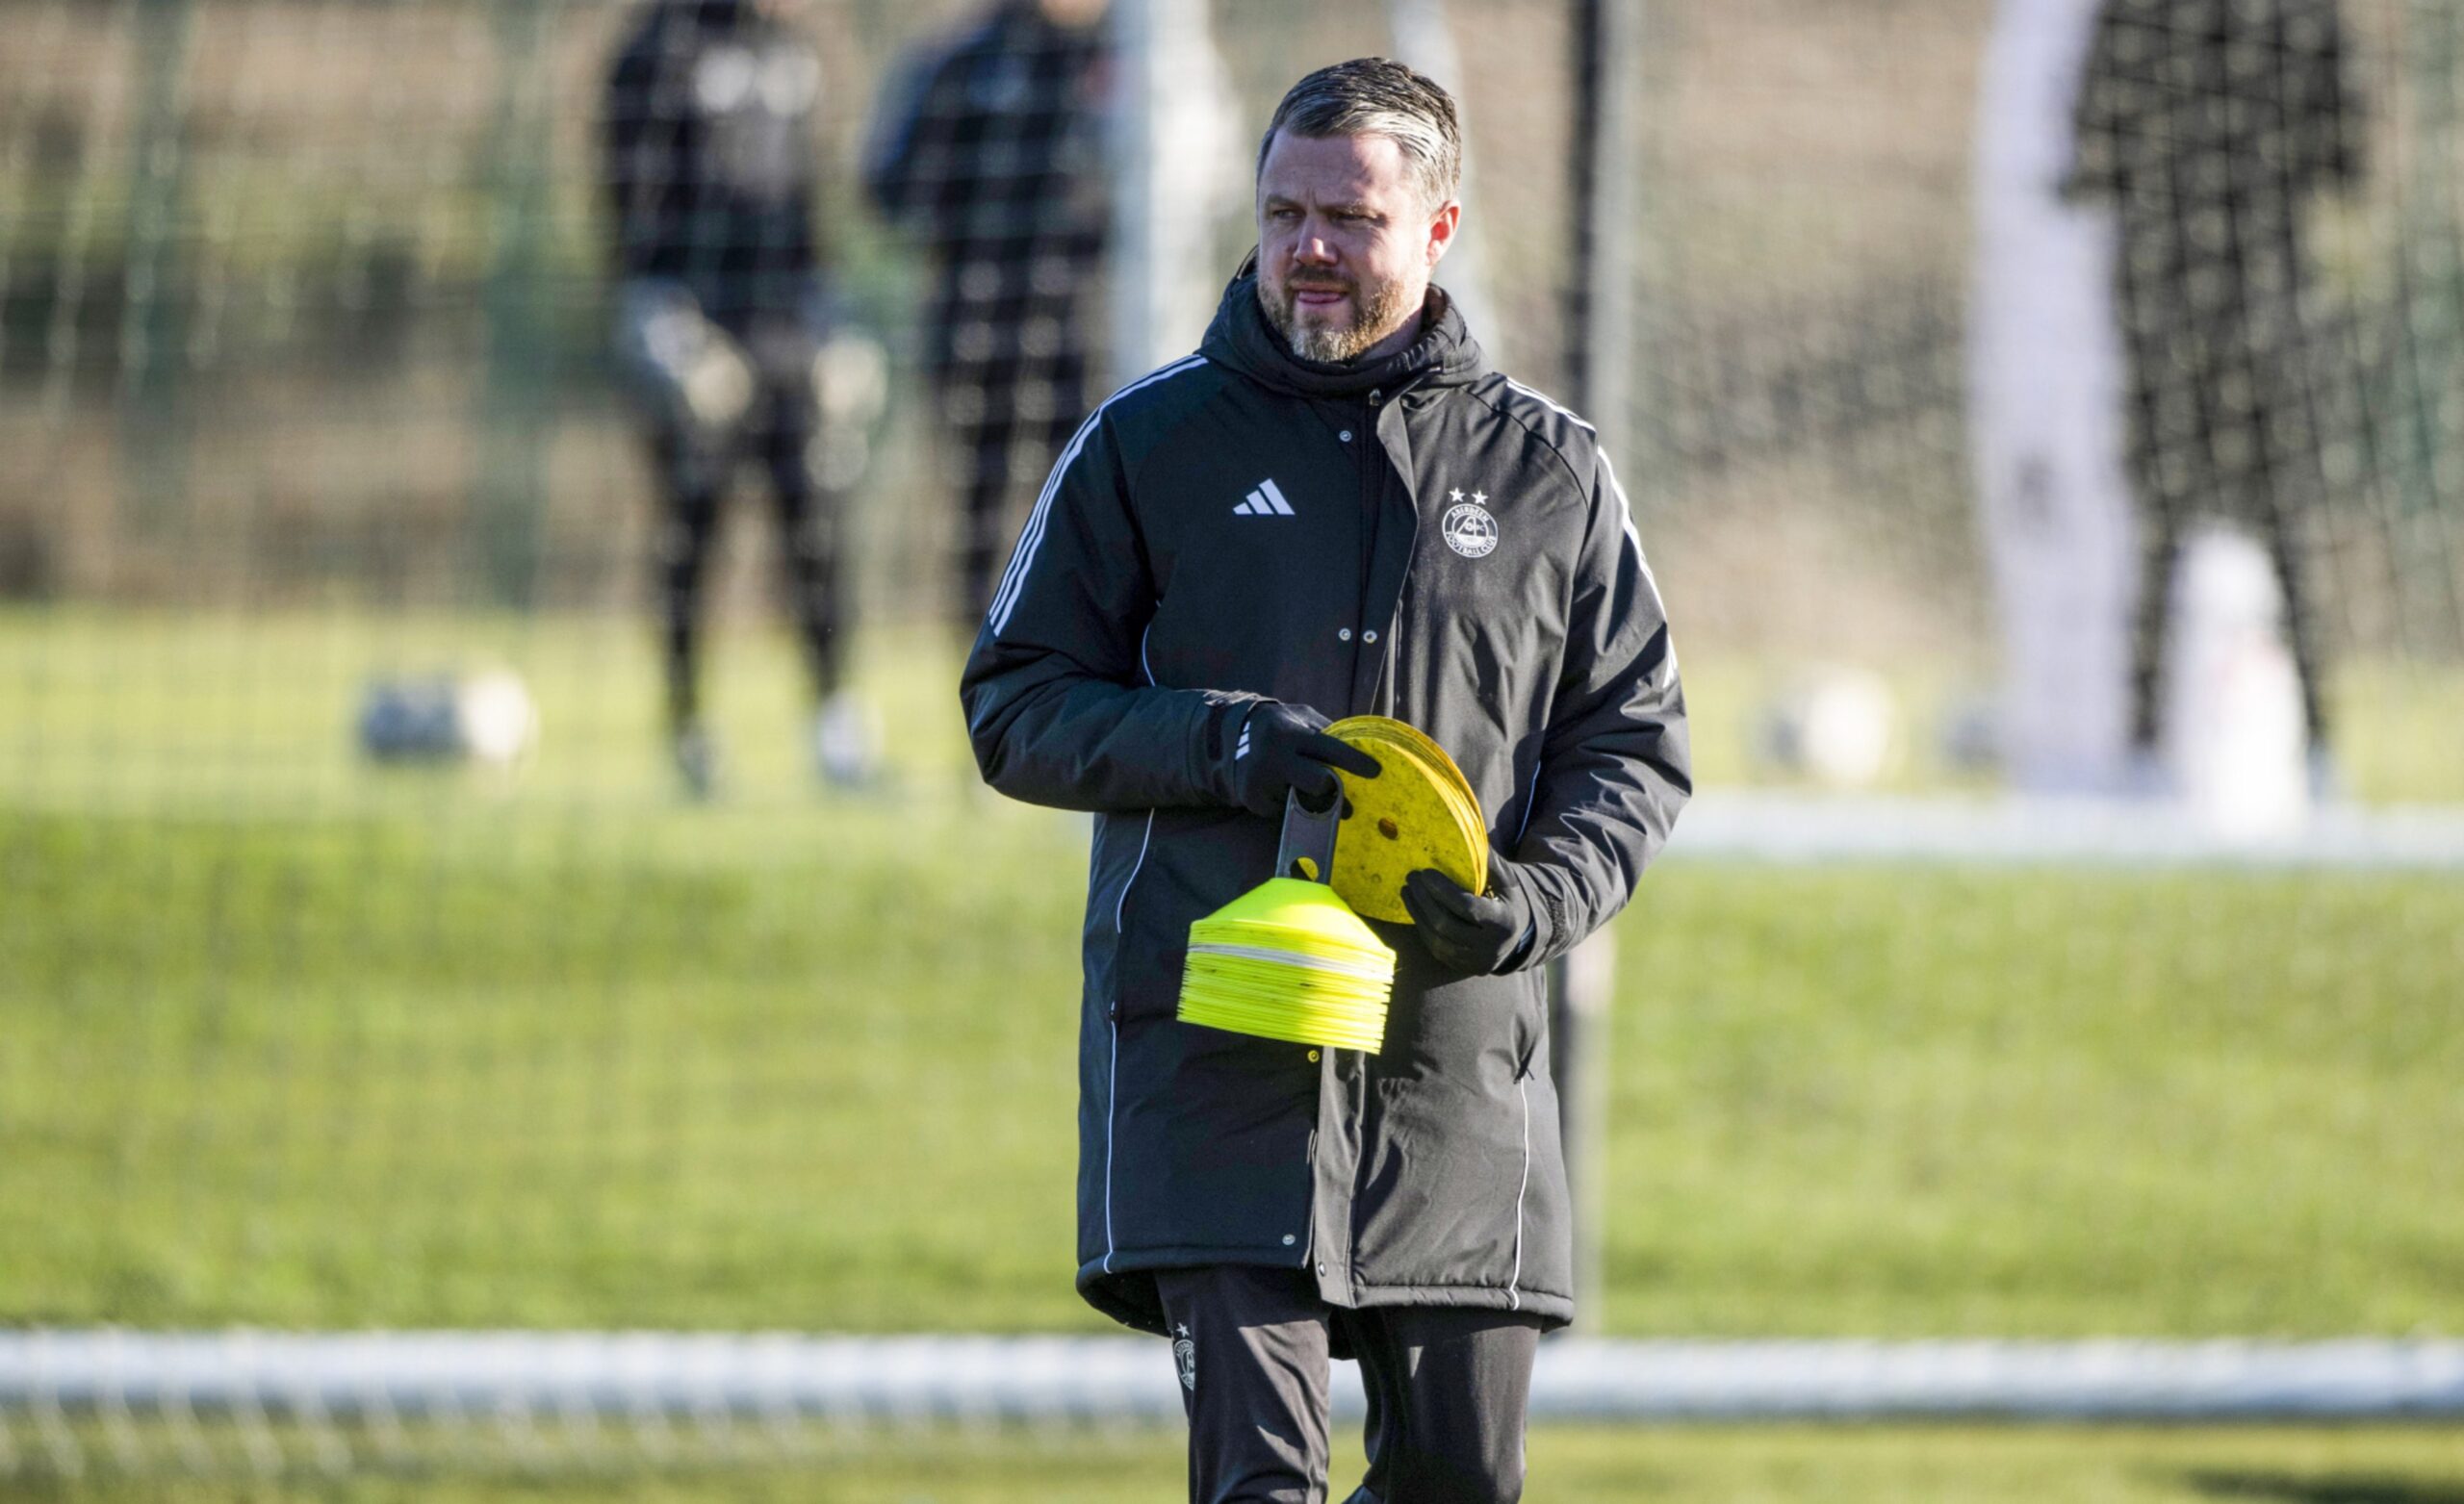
(1472, 933)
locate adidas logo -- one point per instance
(1265, 501)
(1242, 749)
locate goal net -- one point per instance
(493, 495)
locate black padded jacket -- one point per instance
(1439, 544)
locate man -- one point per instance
(990, 152)
(1453, 550)
(712, 173)
(2210, 124)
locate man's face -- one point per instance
(1345, 243)
(1072, 12)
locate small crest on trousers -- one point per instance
(1185, 1357)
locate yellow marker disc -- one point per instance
(1420, 811)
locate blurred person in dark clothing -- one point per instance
(2209, 124)
(712, 172)
(988, 150)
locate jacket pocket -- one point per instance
(1531, 1025)
(1189, 863)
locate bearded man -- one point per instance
(1440, 545)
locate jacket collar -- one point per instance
(1445, 355)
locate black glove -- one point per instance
(1479, 935)
(1282, 748)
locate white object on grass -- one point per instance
(2234, 739)
(847, 740)
(495, 716)
(1837, 728)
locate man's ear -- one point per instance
(1442, 228)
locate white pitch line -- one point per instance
(1086, 1380)
(2017, 831)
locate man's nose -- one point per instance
(1314, 249)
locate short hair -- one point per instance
(1378, 96)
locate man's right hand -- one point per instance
(1281, 749)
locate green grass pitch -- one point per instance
(1568, 1465)
(296, 1043)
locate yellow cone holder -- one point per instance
(1307, 847)
(1289, 960)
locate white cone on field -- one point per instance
(2234, 739)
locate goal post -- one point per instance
(1173, 142)
(1602, 352)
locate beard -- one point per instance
(1374, 318)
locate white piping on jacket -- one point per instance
(1625, 510)
(1112, 1099)
(1123, 902)
(1112, 1076)
(1014, 579)
(1514, 1280)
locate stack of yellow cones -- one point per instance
(1289, 960)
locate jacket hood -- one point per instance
(1445, 355)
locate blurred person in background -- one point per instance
(723, 331)
(988, 149)
(1335, 507)
(2210, 126)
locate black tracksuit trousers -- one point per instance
(1447, 1391)
(695, 472)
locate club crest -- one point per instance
(1469, 529)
